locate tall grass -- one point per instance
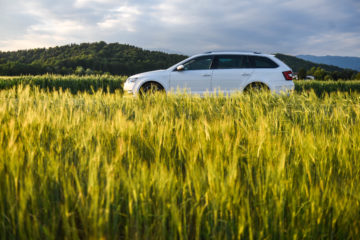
(73, 83)
(179, 167)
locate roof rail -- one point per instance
(216, 51)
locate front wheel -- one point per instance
(150, 88)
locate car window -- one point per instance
(231, 61)
(199, 63)
(262, 62)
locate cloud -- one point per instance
(122, 18)
(187, 26)
(335, 42)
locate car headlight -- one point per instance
(132, 79)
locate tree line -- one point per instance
(305, 68)
(321, 74)
(85, 59)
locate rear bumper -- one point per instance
(284, 88)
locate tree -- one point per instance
(311, 71)
(335, 75)
(357, 77)
(88, 71)
(302, 74)
(79, 70)
(328, 77)
(319, 74)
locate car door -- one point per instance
(195, 76)
(230, 72)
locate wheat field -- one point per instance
(104, 166)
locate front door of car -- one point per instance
(195, 76)
(231, 72)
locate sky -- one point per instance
(317, 27)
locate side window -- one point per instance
(262, 62)
(199, 63)
(231, 61)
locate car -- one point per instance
(225, 71)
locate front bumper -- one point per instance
(129, 87)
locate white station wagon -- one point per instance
(216, 71)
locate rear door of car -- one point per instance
(231, 72)
(266, 71)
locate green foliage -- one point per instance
(357, 76)
(88, 71)
(72, 83)
(103, 166)
(79, 70)
(320, 70)
(328, 77)
(319, 74)
(325, 87)
(302, 74)
(98, 57)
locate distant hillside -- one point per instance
(343, 62)
(99, 57)
(296, 64)
(114, 58)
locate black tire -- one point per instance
(150, 88)
(256, 87)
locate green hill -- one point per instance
(99, 57)
(296, 64)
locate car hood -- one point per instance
(151, 73)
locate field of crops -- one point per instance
(101, 165)
(109, 83)
(73, 83)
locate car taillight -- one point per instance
(288, 75)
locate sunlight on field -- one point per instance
(253, 166)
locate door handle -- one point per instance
(206, 75)
(245, 74)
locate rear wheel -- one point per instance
(150, 88)
(256, 87)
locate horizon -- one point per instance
(169, 51)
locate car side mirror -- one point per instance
(180, 68)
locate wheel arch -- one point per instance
(248, 85)
(150, 81)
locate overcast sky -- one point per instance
(318, 27)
